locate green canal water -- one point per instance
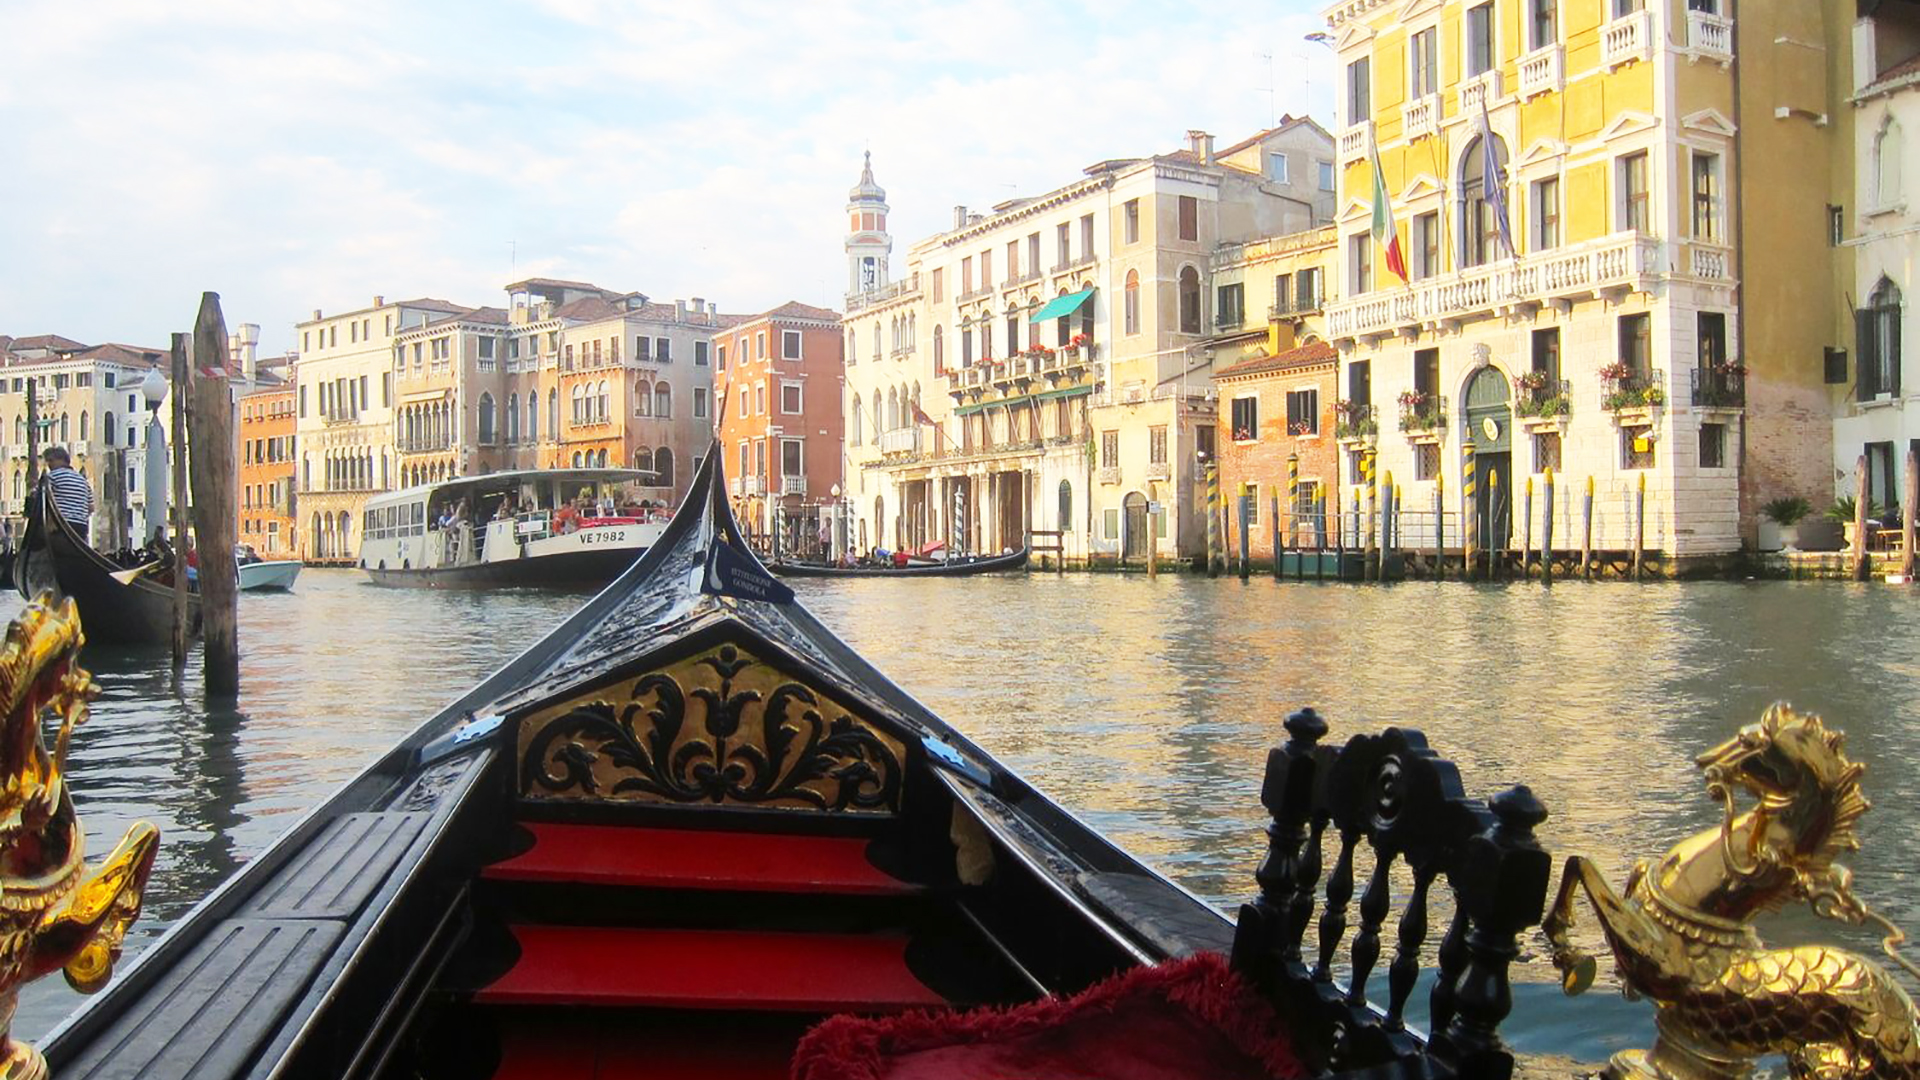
(1145, 706)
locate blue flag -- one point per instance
(1495, 182)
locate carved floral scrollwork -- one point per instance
(722, 727)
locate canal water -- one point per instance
(1144, 705)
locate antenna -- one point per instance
(1273, 108)
(513, 258)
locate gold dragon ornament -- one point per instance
(1682, 934)
(51, 915)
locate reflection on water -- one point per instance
(1146, 706)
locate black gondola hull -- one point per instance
(52, 557)
(991, 565)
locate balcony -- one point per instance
(1540, 72)
(1421, 116)
(1355, 140)
(1542, 400)
(1229, 320)
(1708, 262)
(1631, 393)
(1354, 421)
(904, 440)
(1294, 305)
(1623, 263)
(1625, 39)
(793, 485)
(1480, 91)
(1422, 413)
(1709, 37)
(1159, 470)
(1722, 386)
(753, 485)
(1110, 474)
(974, 294)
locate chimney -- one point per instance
(698, 304)
(713, 310)
(679, 311)
(959, 221)
(246, 342)
(379, 301)
(1201, 144)
(316, 314)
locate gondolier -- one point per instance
(72, 495)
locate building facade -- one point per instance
(1558, 178)
(781, 376)
(267, 432)
(1043, 367)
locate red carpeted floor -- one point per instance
(698, 859)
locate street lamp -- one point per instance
(154, 389)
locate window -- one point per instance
(1888, 146)
(1245, 419)
(663, 350)
(1062, 239)
(1545, 204)
(939, 284)
(1423, 63)
(1110, 449)
(1110, 519)
(700, 354)
(1713, 446)
(1546, 451)
(1543, 23)
(1712, 327)
(1303, 412)
(1706, 197)
(1636, 447)
(760, 344)
(303, 400)
(1157, 444)
(1189, 217)
(1634, 210)
(1277, 168)
(790, 344)
(986, 270)
(486, 418)
(1479, 39)
(1877, 342)
(1546, 353)
(1426, 461)
(1359, 91)
(1426, 245)
(790, 399)
(1360, 258)
(939, 351)
(1033, 255)
(966, 276)
(699, 403)
(1836, 226)
(760, 400)
(1132, 304)
(1189, 300)
(1230, 304)
(1326, 175)
(790, 458)
(1307, 289)
(1482, 202)
(1360, 382)
(1133, 221)
(1283, 293)
(1066, 507)
(1086, 236)
(1636, 341)
(1013, 260)
(1426, 371)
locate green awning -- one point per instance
(1061, 306)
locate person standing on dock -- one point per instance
(71, 493)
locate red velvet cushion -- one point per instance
(1189, 1018)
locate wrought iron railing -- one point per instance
(1549, 399)
(1355, 420)
(1633, 389)
(1719, 387)
(1422, 412)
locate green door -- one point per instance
(1488, 415)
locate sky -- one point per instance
(315, 153)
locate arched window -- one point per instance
(876, 341)
(1189, 300)
(642, 398)
(107, 431)
(64, 436)
(1879, 347)
(20, 429)
(859, 407)
(553, 413)
(853, 346)
(513, 418)
(939, 352)
(600, 460)
(1066, 506)
(19, 485)
(643, 459)
(1480, 241)
(576, 459)
(893, 408)
(579, 395)
(662, 401)
(915, 400)
(1013, 332)
(1889, 145)
(913, 329)
(1132, 309)
(533, 416)
(85, 432)
(486, 418)
(600, 411)
(663, 464)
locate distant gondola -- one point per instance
(665, 840)
(115, 605)
(951, 568)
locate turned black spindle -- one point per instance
(1333, 917)
(1405, 969)
(1300, 911)
(1453, 960)
(1268, 936)
(1504, 890)
(1373, 913)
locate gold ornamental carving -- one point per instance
(722, 726)
(52, 915)
(1682, 936)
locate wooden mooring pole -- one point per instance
(1907, 512)
(1496, 543)
(1440, 527)
(1370, 565)
(1546, 530)
(1586, 532)
(1469, 513)
(1526, 533)
(33, 435)
(1276, 537)
(1213, 519)
(177, 511)
(1640, 528)
(1862, 562)
(1244, 504)
(214, 495)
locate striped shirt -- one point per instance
(73, 495)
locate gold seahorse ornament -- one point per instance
(52, 915)
(1682, 933)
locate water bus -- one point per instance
(558, 527)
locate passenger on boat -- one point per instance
(71, 493)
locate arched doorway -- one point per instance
(1134, 510)
(1488, 411)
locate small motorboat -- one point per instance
(269, 575)
(954, 567)
(122, 604)
(690, 824)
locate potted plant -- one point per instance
(1842, 512)
(1784, 514)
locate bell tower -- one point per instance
(868, 242)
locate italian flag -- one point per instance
(1384, 233)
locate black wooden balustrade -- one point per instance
(1394, 794)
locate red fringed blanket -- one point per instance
(1190, 1018)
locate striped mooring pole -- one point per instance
(1469, 513)
(1213, 519)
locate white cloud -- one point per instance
(311, 155)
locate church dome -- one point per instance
(866, 190)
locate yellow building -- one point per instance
(1598, 333)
